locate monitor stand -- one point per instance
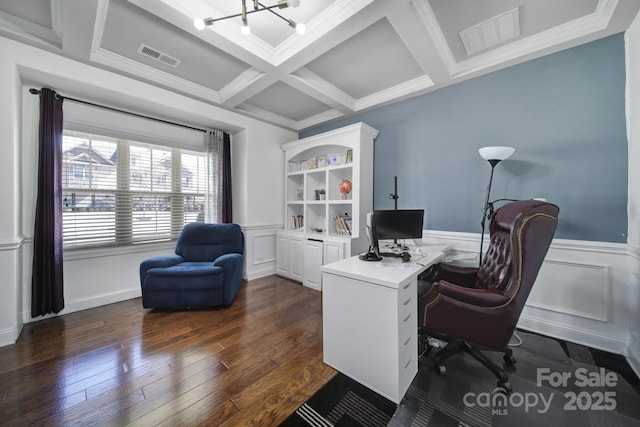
(370, 255)
(398, 246)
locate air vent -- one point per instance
(491, 32)
(155, 54)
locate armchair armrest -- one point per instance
(482, 298)
(158, 262)
(232, 265)
(461, 276)
(229, 260)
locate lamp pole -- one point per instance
(493, 163)
(493, 155)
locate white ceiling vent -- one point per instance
(158, 56)
(491, 32)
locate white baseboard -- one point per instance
(9, 336)
(633, 352)
(261, 271)
(85, 303)
(578, 336)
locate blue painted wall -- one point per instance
(565, 115)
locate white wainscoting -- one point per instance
(582, 293)
(11, 256)
(260, 250)
(633, 343)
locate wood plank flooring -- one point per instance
(249, 364)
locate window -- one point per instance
(118, 192)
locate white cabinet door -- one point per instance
(313, 264)
(333, 251)
(283, 256)
(296, 258)
(290, 255)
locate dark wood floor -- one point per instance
(250, 364)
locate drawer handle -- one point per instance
(408, 340)
(407, 318)
(407, 302)
(407, 364)
(407, 286)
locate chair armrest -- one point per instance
(158, 262)
(475, 297)
(461, 276)
(232, 266)
(229, 260)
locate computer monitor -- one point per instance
(398, 224)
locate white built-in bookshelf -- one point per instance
(315, 209)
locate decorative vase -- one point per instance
(345, 188)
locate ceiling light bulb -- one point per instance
(288, 3)
(245, 30)
(199, 23)
(301, 29)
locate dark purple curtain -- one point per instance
(46, 283)
(227, 211)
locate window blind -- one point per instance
(118, 192)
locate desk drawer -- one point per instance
(407, 303)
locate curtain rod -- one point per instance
(35, 91)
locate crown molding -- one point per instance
(325, 92)
(240, 83)
(34, 32)
(106, 57)
(580, 27)
(334, 15)
(410, 87)
(319, 119)
(265, 115)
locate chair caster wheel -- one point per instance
(504, 387)
(509, 359)
(440, 369)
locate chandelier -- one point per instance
(200, 24)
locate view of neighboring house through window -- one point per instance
(118, 192)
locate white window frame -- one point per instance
(123, 240)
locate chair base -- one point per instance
(457, 345)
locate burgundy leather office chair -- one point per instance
(475, 309)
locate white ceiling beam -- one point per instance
(78, 19)
(315, 86)
(416, 38)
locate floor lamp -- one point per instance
(493, 155)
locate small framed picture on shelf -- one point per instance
(332, 159)
(312, 164)
(349, 156)
(321, 161)
(304, 165)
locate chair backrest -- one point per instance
(521, 233)
(199, 241)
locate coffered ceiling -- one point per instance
(355, 54)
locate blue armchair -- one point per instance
(206, 270)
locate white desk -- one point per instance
(369, 318)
